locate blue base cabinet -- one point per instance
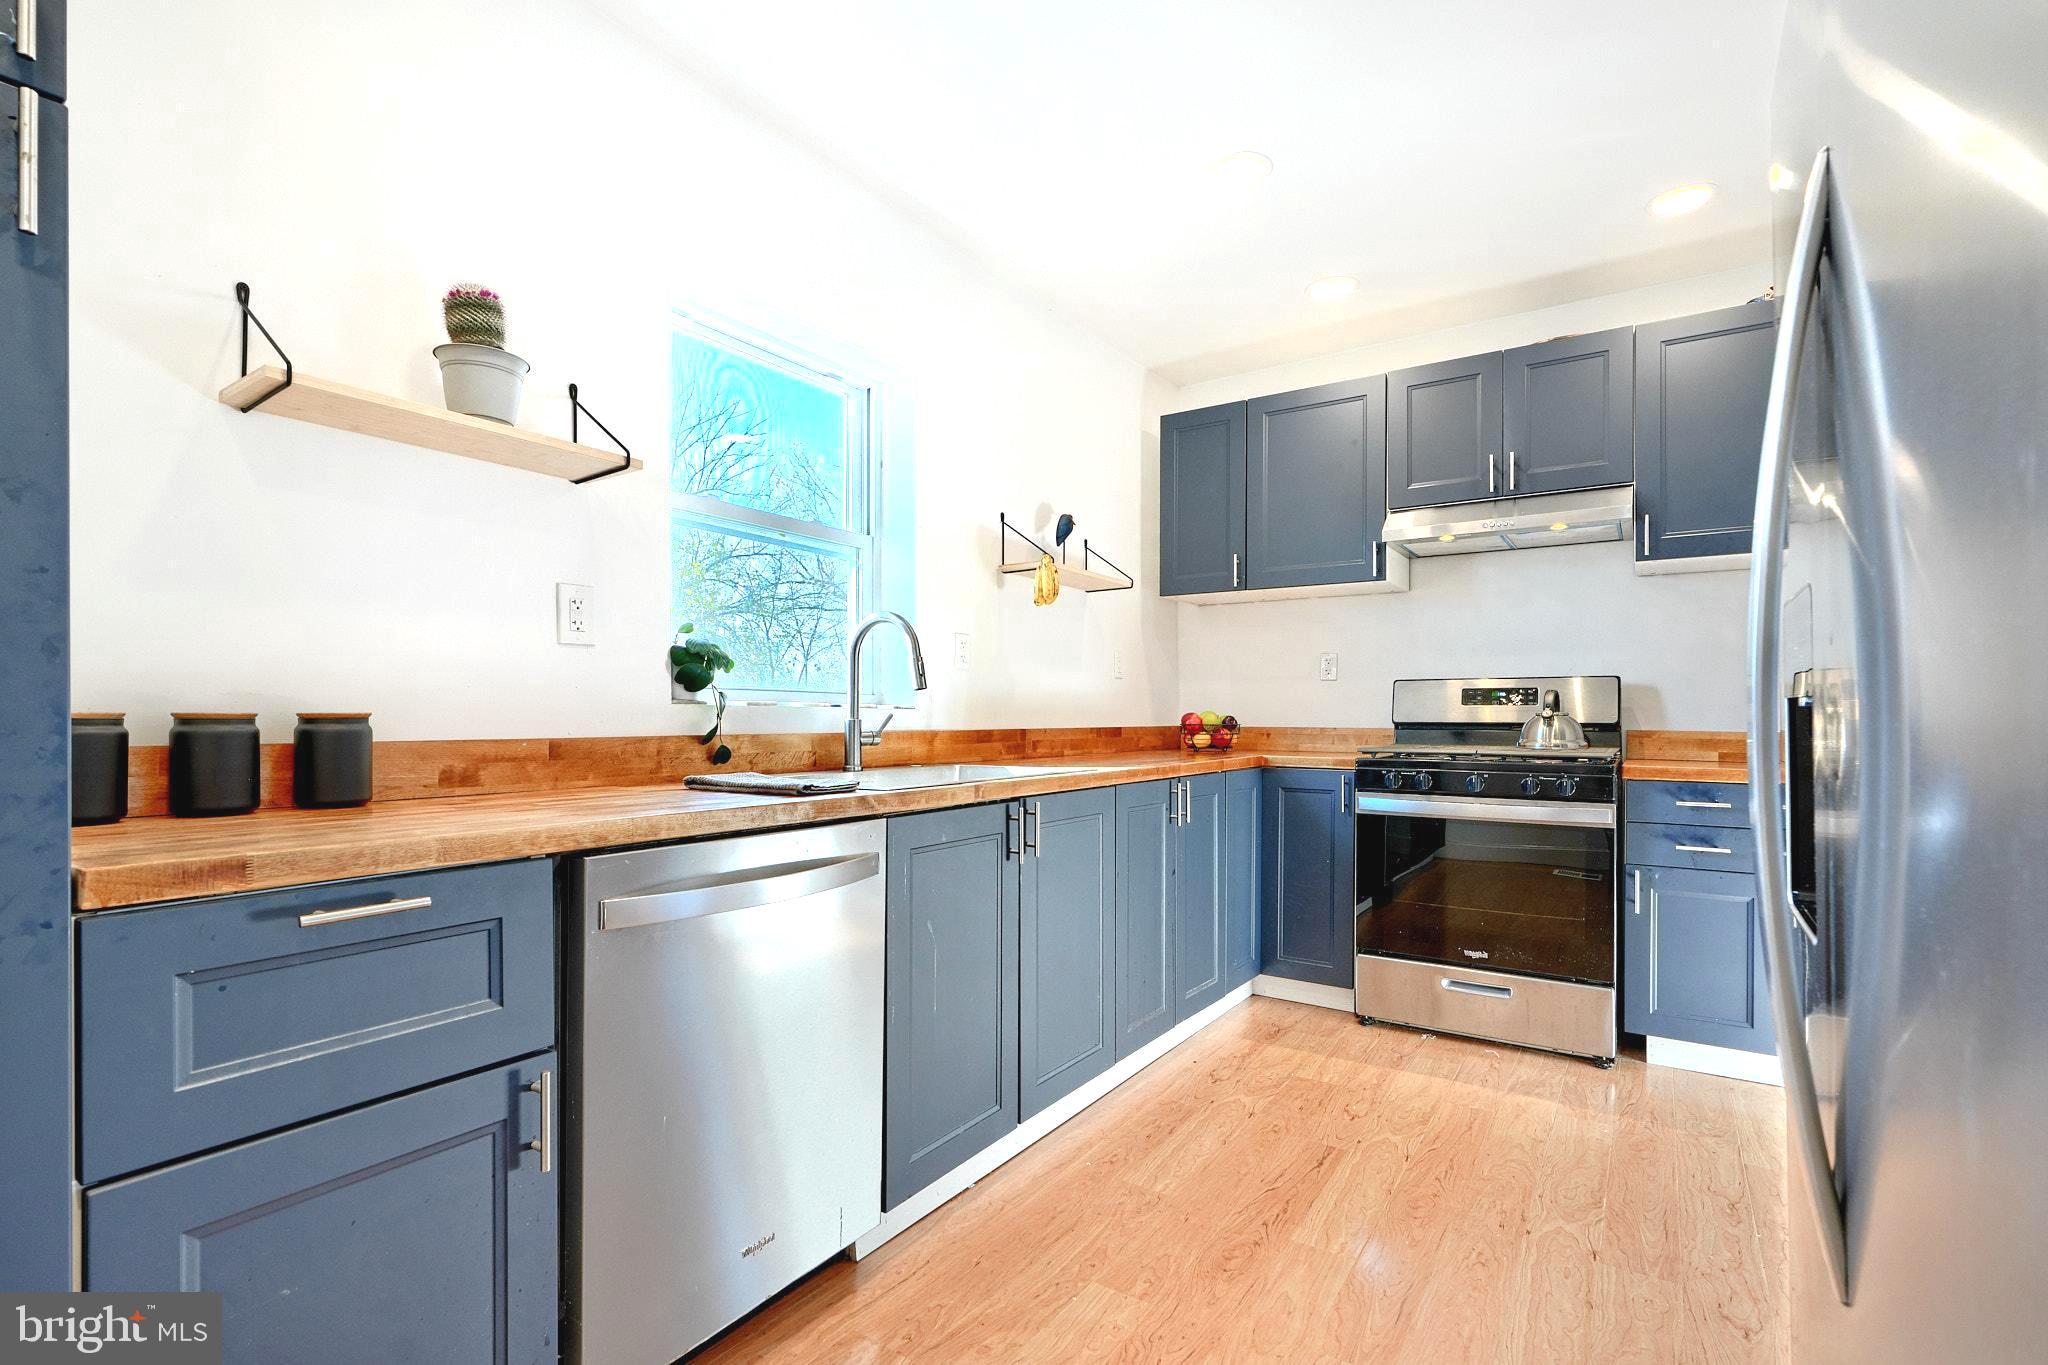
(1201, 951)
(1309, 902)
(1146, 912)
(418, 1229)
(950, 1049)
(1241, 787)
(1066, 1006)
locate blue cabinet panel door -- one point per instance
(1694, 958)
(419, 1229)
(35, 734)
(34, 45)
(1146, 913)
(950, 1048)
(1201, 500)
(1568, 413)
(1701, 386)
(1443, 433)
(1241, 874)
(1309, 872)
(1203, 878)
(1067, 945)
(1316, 464)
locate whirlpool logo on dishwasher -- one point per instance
(752, 1247)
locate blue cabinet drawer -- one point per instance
(207, 1023)
(1688, 803)
(1711, 848)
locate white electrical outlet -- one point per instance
(573, 613)
(1326, 668)
(960, 653)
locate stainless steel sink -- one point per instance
(913, 775)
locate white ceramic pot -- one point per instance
(482, 381)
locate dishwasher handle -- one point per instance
(741, 889)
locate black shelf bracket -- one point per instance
(1089, 558)
(576, 412)
(249, 316)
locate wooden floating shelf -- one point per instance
(326, 403)
(1072, 576)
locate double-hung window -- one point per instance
(772, 494)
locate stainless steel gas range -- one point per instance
(1487, 869)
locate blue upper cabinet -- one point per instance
(1317, 465)
(1444, 432)
(421, 1228)
(1566, 413)
(32, 45)
(1067, 945)
(1309, 872)
(950, 1057)
(1702, 384)
(35, 679)
(1201, 500)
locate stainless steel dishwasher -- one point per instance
(723, 1080)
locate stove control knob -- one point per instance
(1476, 782)
(1390, 779)
(1423, 782)
(1567, 786)
(1531, 786)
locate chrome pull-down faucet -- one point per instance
(857, 738)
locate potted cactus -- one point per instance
(478, 375)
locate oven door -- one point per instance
(1524, 887)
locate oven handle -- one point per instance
(1498, 812)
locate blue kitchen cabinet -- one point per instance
(1146, 912)
(950, 1055)
(1066, 1031)
(1241, 788)
(1309, 904)
(422, 1228)
(1693, 958)
(1201, 880)
(1702, 384)
(34, 45)
(35, 679)
(1567, 413)
(1201, 500)
(1444, 433)
(1316, 462)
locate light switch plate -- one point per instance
(573, 614)
(1326, 668)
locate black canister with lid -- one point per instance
(99, 767)
(216, 764)
(331, 759)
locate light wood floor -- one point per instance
(1291, 1186)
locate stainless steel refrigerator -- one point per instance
(1899, 622)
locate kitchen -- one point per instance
(1268, 847)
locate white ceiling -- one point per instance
(1462, 158)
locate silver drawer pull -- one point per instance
(28, 163)
(313, 919)
(1700, 848)
(1704, 805)
(545, 1143)
(1477, 988)
(25, 31)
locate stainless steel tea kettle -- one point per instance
(1552, 727)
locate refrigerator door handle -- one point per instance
(1766, 583)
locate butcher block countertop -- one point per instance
(143, 860)
(1686, 756)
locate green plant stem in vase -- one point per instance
(695, 665)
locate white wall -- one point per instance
(1676, 641)
(350, 162)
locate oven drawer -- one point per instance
(1711, 848)
(1562, 1016)
(1688, 803)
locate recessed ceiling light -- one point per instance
(1680, 200)
(1782, 177)
(1244, 168)
(1330, 288)
(1447, 537)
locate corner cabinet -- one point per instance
(1201, 500)
(419, 1228)
(1702, 384)
(1309, 902)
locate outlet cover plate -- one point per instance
(574, 611)
(1326, 668)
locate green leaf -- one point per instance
(694, 676)
(685, 629)
(678, 655)
(709, 735)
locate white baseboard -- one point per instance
(1761, 1067)
(964, 1176)
(1305, 992)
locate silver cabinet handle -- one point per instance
(1233, 569)
(28, 137)
(1646, 537)
(1639, 890)
(1033, 825)
(744, 889)
(313, 919)
(1511, 471)
(1013, 831)
(1492, 471)
(1477, 988)
(1375, 559)
(545, 1143)
(1700, 848)
(1766, 583)
(25, 31)
(1704, 805)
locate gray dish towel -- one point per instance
(774, 784)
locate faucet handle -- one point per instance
(873, 737)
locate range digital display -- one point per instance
(1498, 696)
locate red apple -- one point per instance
(1223, 739)
(1191, 722)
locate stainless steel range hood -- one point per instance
(1513, 523)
